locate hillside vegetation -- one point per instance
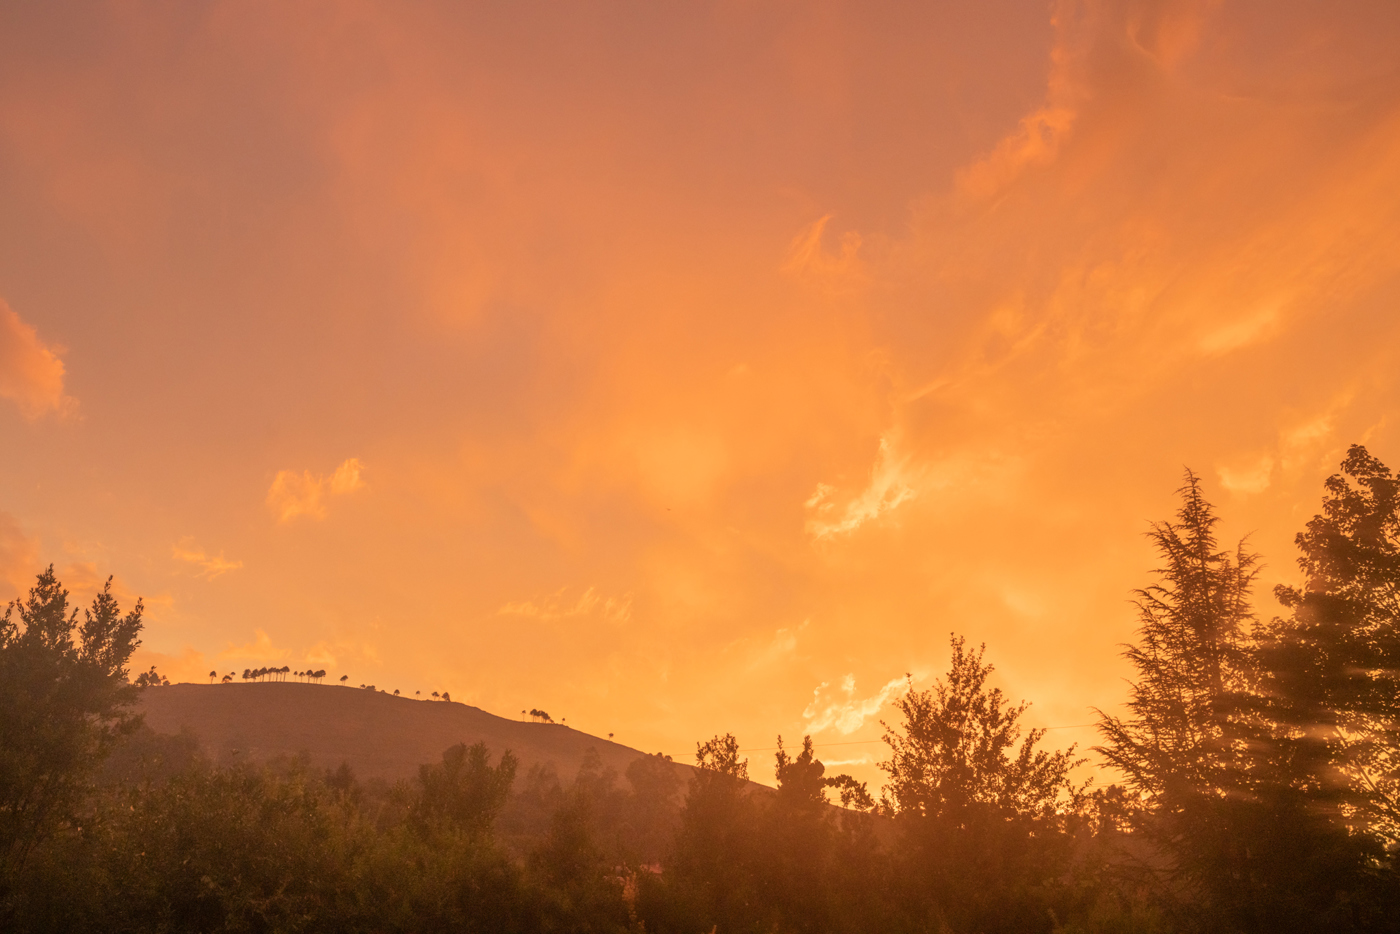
(377, 735)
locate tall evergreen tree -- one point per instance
(1203, 746)
(1334, 662)
(1183, 733)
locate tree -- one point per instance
(464, 791)
(65, 702)
(955, 751)
(653, 808)
(1207, 748)
(715, 841)
(151, 679)
(981, 819)
(802, 781)
(804, 879)
(1335, 663)
(1183, 734)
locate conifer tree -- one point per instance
(1201, 743)
(64, 703)
(1333, 665)
(1183, 733)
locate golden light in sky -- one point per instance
(682, 368)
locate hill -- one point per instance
(378, 735)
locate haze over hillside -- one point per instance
(378, 735)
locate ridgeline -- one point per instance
(378, 735)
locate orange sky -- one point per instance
(682, 368)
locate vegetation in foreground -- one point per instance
(1260, 760)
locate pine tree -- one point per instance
(1334, 663)
(64, 703)
(1184, 731)
(1202, 744)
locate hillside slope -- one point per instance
(378, 735)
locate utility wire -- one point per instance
(866, 742)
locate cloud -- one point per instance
(859, 760)
(210, 566)
(808, 259)
(842, 710)
(556, 607)
(892, 482)
(19, 558)
(321, 654)
(1249, 478)
(295, 494)
(31, 373)
(1036, 140)
(85, 578)
(260, 649)
(1242, 332)
(189, 666)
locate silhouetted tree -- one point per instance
(653, 810)
(1337, 658)
(149, 679)
(957, 748)
(1330, 688)
(715, 842)
(981, 818)
(464, 791)
(1226, 789)
(64, 702)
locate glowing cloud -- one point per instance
(1250, 478)
(556, 607)
(845, 712)
(295, 494)
(31, 374)
(210, 566)
(260, 649)
(891, 483)
(190, 666)
(19, 558)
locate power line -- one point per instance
(866, 742)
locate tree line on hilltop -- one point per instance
(1251, 784)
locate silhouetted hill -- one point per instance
(379, 735)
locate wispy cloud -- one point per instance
(260, 649)
(210, 566)
(295, 494)
(840, 709)
(557, 606)
(892, 482)
(19, 558)
(31, 373)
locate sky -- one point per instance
(683, 369)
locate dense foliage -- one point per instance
(1259, 764)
